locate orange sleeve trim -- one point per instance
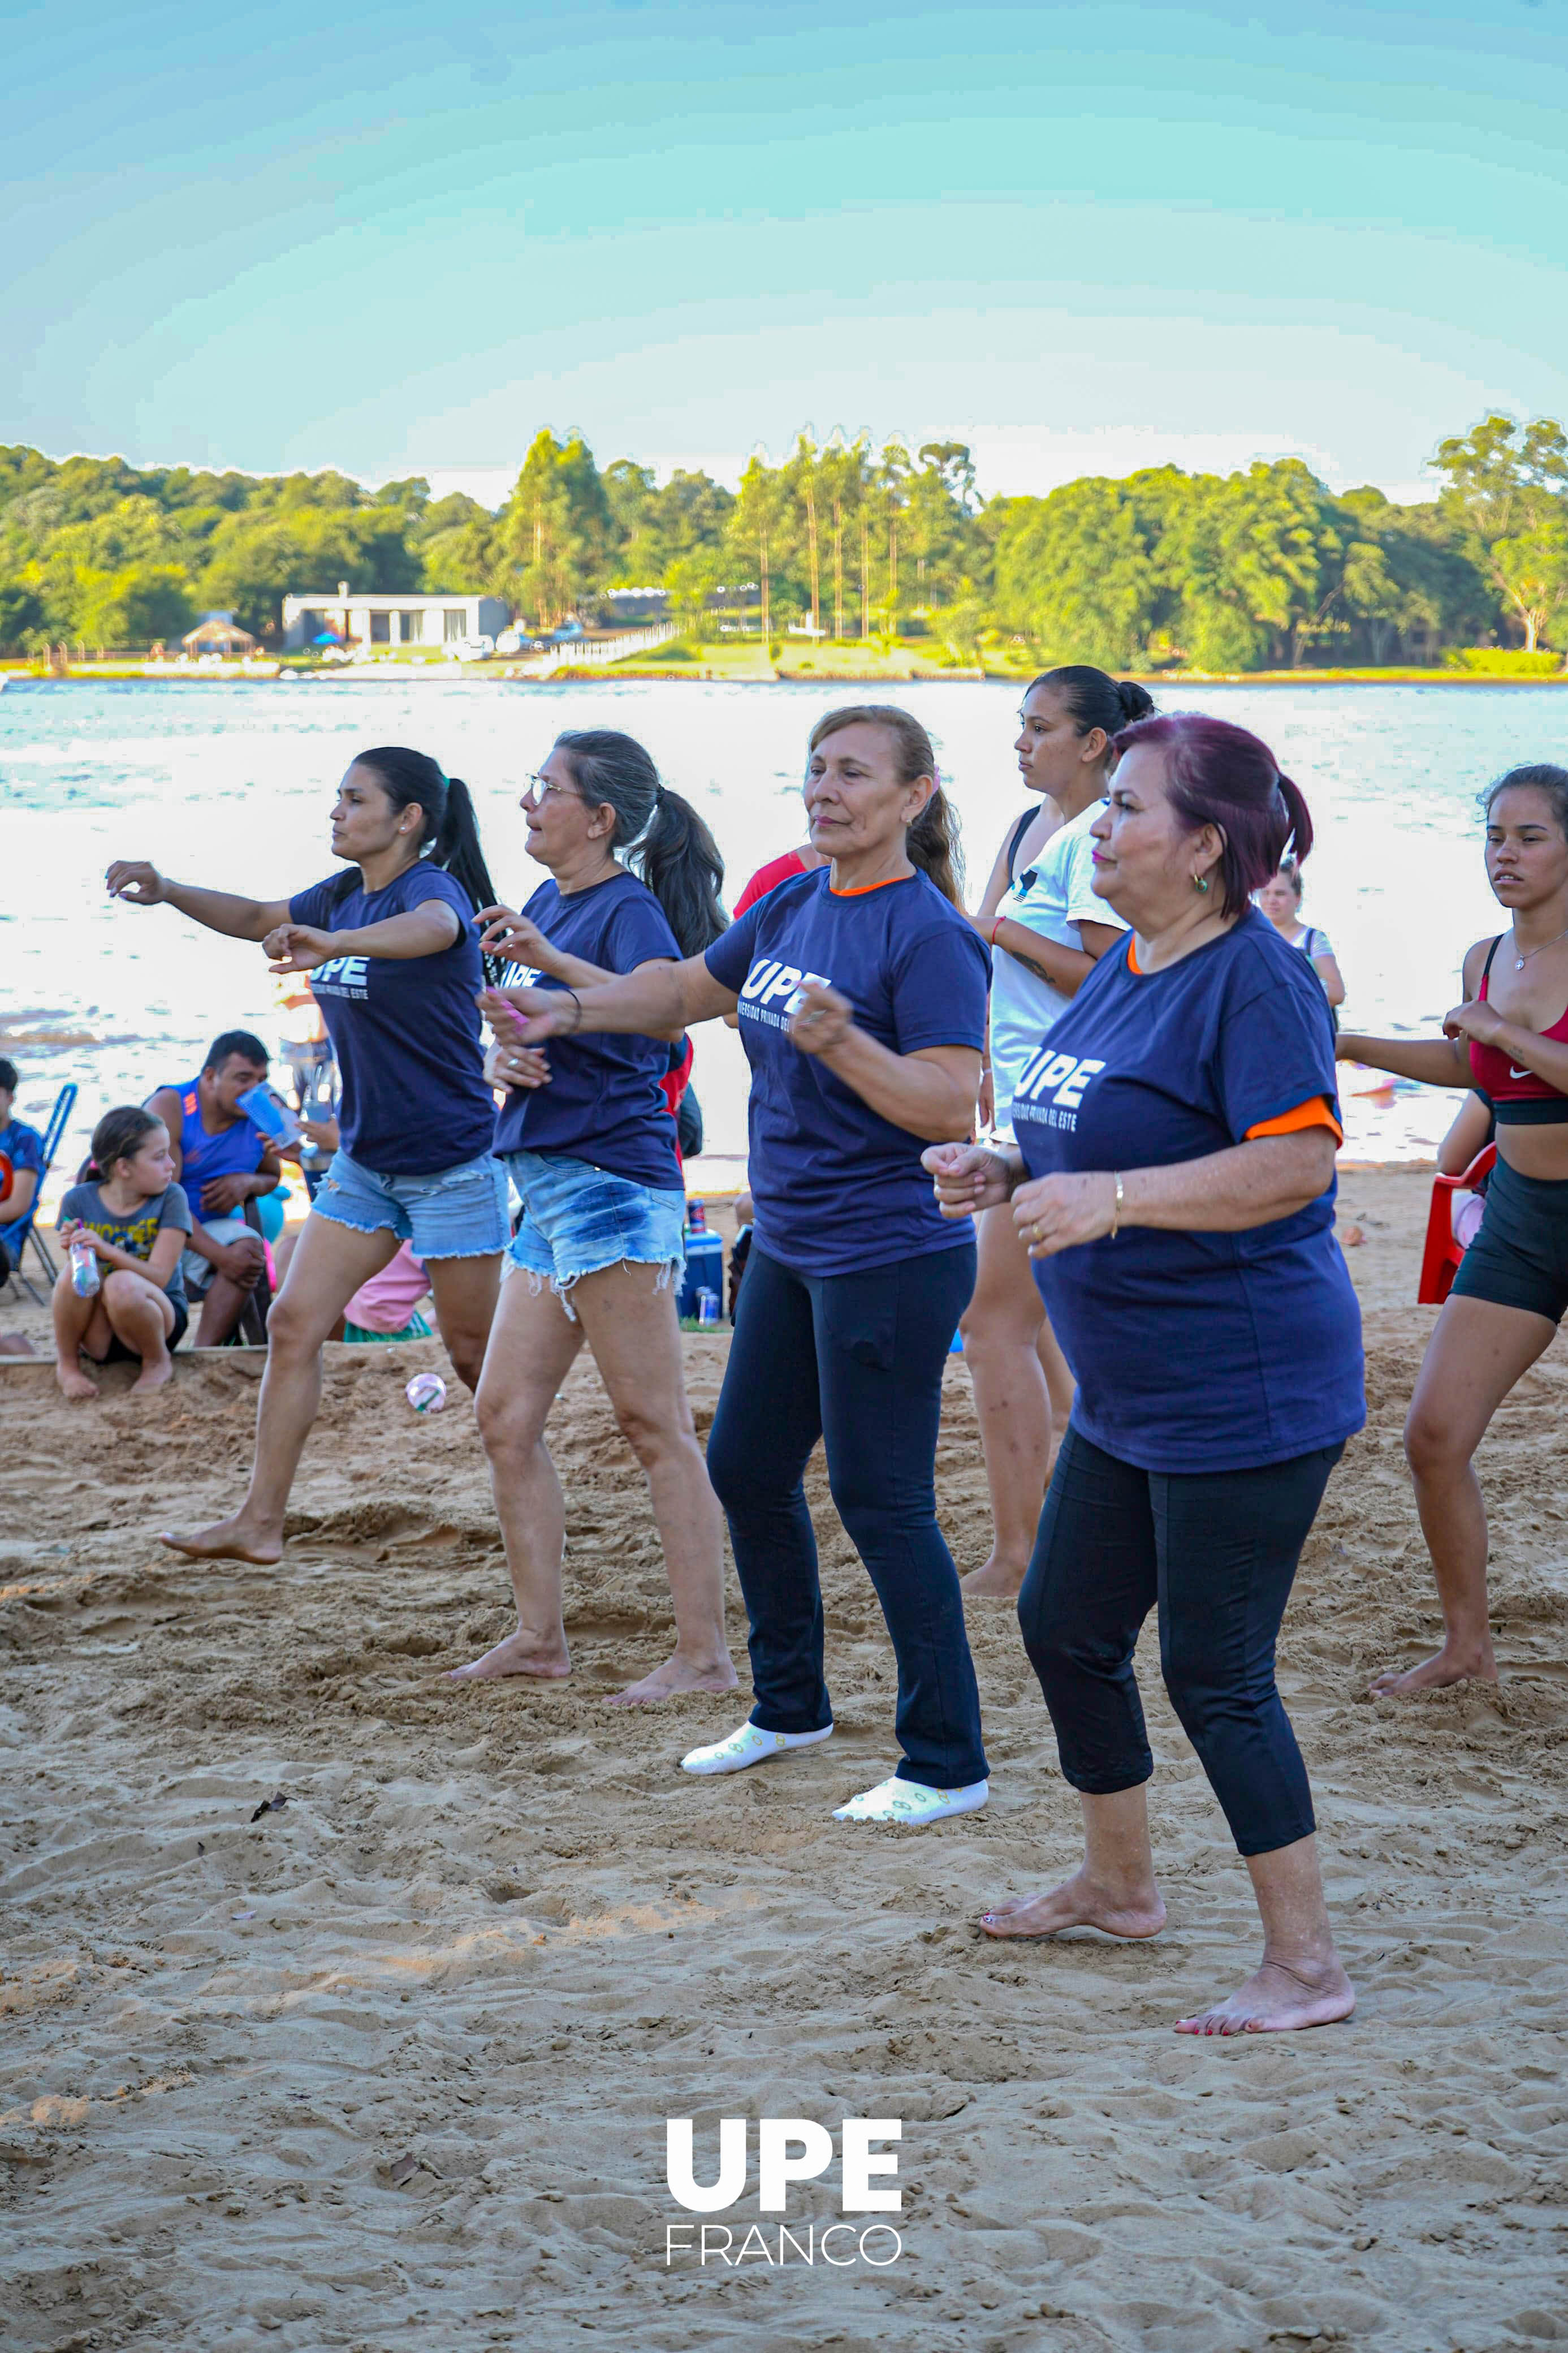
(1313, 1113)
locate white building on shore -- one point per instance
(415, 618)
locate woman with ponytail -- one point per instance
(861, 993)
(590, 1145)
(396, 967)
(1173, 1177)
(1047, 931)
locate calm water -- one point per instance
(231, 785)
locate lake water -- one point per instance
(231, 785)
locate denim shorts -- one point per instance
(578, 1219)
(451, 1213)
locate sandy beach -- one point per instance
(389, 2064)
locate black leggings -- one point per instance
(1217, 1552)
(856, 1360)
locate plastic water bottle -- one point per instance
(426, 1392)
(266, 1110)
(85, 1279)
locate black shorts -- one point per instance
(1519, 1258)
(117, 1353)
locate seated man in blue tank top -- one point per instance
(222, 1160)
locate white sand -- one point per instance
(390, 2067)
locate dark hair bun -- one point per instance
(1136, 701)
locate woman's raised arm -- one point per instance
(656, 999)
(1435, 1062)
(141, 885)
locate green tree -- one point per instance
(630, 490)
(459, 547)
(1533, 569)
(760, 533)
(660, 526)
(557, 528)
(1073, 574)
(257, 558)
(21, 615)
(133, 606)
(1506, 485)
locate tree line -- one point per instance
(1261, 569)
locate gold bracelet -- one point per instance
(1116, 1211)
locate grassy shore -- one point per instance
(750, 662)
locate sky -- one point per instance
(1080, 238)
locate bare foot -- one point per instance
(678, 1674)
(229, 1540)
(156, 1375)
(1452, 1664)
(520, 1654)
(15, 1344)
(1078, 1903)
(74, 1384)
(996, 1582)
(1276, 2000)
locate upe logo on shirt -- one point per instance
(1062, 1078)
(342, 977)
(769, 980)
(789, 2148)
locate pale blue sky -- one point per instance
(1081, 237)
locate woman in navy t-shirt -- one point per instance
(861, 993)
(589, 1143)
(1173, 1177)
(396, 967)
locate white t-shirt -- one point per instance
(1059, 898)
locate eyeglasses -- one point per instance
(538, 788)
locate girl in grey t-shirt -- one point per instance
(136, 1217)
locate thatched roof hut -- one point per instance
(218, 633)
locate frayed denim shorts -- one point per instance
(451, 1213)
(578, 1219)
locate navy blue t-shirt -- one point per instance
(836, 1186)
(604, 1103)
(1194, 1351)
(405, 1029)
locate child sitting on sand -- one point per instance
(136, 1218)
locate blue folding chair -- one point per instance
(25, 1230)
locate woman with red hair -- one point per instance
(1173, 1180)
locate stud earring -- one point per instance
(1200, 882)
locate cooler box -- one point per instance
(704, 1271)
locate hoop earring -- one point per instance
(1200, 882)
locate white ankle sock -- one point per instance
(913, 1803)
(749, 1743)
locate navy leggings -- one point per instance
(856, 1360)
(1217, 1551)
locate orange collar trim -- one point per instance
(1132, 962)
(860, 890)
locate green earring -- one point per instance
(1200, 882)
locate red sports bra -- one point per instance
(1518, 1098)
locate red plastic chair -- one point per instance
(1440, 1257)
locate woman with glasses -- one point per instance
(861, 993)
(590, 1144)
